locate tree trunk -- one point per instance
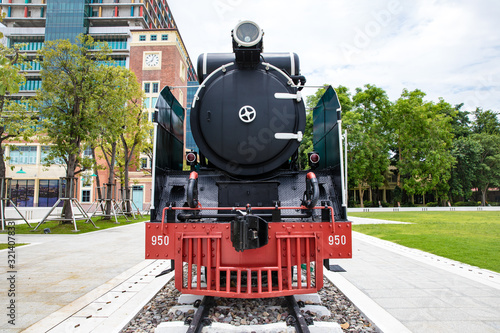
(484, 191)
(128, 206)
(111, 177)
(128, 154)
(2, 162)
(69, 190)
(97, 179)
(423, 198)
(361, 193)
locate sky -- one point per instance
(448, 49)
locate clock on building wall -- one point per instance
(151, 61)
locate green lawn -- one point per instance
(58, 228)
(4, 246)
(468, 237)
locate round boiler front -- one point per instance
(237, 115)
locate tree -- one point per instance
(467, 152)
(488, 171)
(112, 110)
(460, 122)
(16, 119)
(423, 140)
(368, 138)
(486, 122)
(72, 75)
(133, 140)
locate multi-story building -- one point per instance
(143, 37)
(189, 140)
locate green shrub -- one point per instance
(466, 203)
(432, 204)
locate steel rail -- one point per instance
(200, 316)
(300, 322)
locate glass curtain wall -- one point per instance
(66, 19)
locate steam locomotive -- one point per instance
(245, 221)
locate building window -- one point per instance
(86, 196)
(164, 37)
(44, 157)
(86, 180)
(142, 38)
(151, 89)
(153, 37)
(146, 102)
(87, 152)
(48, 192)
(23, 192)
(23, 155)
(144, 163)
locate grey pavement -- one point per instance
(424, 292)
(56, 270)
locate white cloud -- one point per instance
(448, 49)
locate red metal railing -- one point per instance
(206, 262)
(204, 254)
(200, 208)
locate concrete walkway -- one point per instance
(55, 270)
(426, 293)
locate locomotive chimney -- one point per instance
(247, 43)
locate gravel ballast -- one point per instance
(164, 307)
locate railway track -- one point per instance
(295, 317)
(328, 311)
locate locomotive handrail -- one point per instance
(163, 223)
(202, 85)
(290, 81)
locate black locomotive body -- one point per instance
(244, 218)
